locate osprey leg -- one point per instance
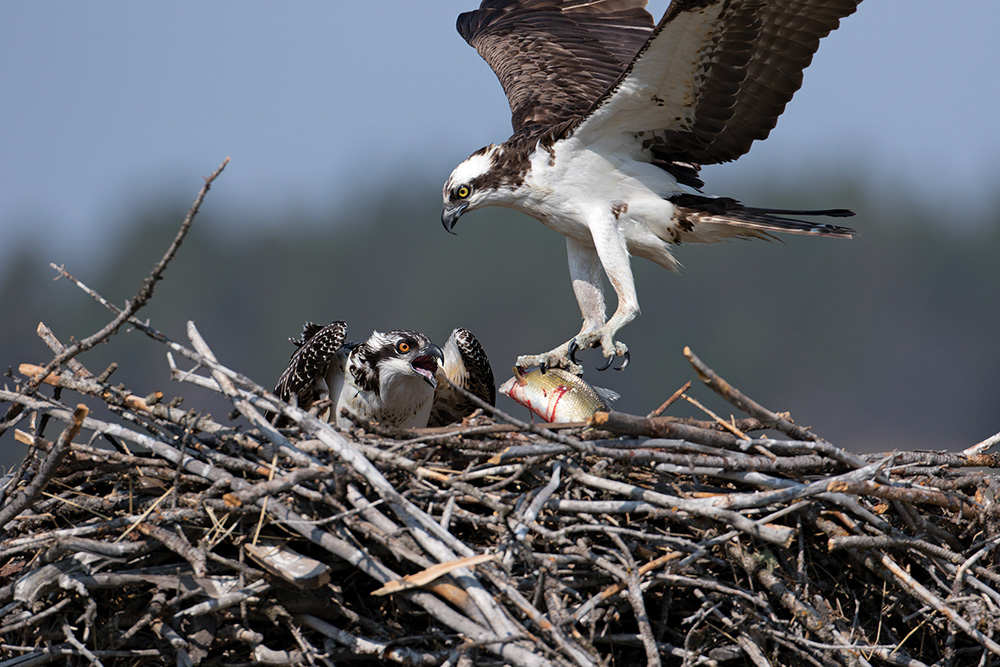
(612, 253)
(585, 273)
(585, 263)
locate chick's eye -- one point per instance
(403, 347)
(463, 191)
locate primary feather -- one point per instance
(465, 364)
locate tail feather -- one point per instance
(695, 209)
(829, 212)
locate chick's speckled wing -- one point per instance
(465, 364)
(305, 375)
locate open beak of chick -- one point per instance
(425, 363)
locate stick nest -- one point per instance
(154, 535)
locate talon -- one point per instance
(571, 352)
(607, 365)
(542, 366)
(625, 360)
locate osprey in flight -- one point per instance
(396, 378)
(613, 117)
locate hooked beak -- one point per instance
(436, 352)
(427, 362)
(450, 216)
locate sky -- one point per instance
(107, 106)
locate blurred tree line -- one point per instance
(889, 340)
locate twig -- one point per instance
(670, 427)
(718, 420)
(49, 338)
(176, 543)
(742, 402)
(983, 446)
(637, 602)
(225, 601)
(908, 495)
(539, 501)
(45, 472)
(903, 577)
(670, 401)
(769, 533)
(78, 645)
(141, 298)
(360, 646)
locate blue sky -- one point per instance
(109, 105)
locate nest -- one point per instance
(162, 536)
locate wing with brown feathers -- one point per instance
(716, 74)
(311, 362)
(465, 364)
(554, 59)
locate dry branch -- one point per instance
(144, 294)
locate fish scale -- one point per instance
(556, 395)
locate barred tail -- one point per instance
(726, 211)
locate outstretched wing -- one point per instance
(715, 75)
(465, 364)
(555, 58)
(305, 376)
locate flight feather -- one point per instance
(554, 59)
(715, 75)
(305, 375)
(465, 364)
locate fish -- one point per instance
(557, 395)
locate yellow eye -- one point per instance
(403, 347)
(463, 191)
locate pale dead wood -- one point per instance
(46, 470)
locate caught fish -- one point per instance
(556, 395)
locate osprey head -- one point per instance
(469, 185)
(400, 355)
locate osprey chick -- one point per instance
(390, 378)
(393, 378)
(612, 115)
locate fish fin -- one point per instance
(607, 394)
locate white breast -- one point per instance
(402, 401)
(579, 185)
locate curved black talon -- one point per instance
(543, 367)
(625, 361)
(571, 352)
